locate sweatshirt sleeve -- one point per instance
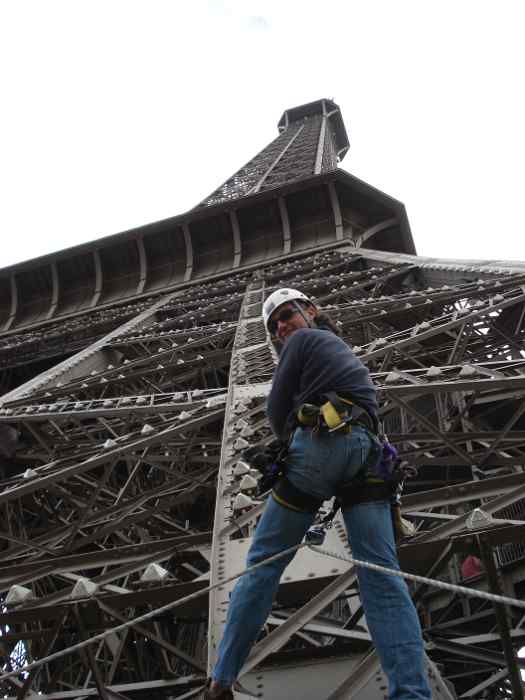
(285, 385)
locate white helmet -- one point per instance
(278, 298)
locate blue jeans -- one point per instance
(317, 463)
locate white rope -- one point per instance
(422, 579)
(146, 616)
(170, 606)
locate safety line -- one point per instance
(505, 600)
(493, 597)
(147, 616)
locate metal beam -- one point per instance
(163, 480)
(236, 232)
(374, 230)
(143, 265)
(261, 180)
(99, 278)
(55, 289)
(320, 143)
(276, 639)
(150, 634)
(285, 223)
(336, 210)
(487, 556)
(156, 686)
(14, 301)
(189, 252)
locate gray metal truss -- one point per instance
(313, 130)
(121, 488)
(126, 453)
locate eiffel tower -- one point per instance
(134, 374)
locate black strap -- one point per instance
(289, 496)
(358, 415)
(351, 494)
(357, 491)
(354, 493)
(373, 456)
(337, 402)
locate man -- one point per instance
(314, 362)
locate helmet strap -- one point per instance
(310, 322)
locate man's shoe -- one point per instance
(217, 694)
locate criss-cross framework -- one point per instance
(122, 427)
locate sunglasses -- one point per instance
(284, 316)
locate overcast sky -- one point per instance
(117, 113)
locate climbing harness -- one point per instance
(381, 477)
(334, 412)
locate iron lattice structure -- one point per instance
(135, 371)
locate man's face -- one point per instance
(287, 319)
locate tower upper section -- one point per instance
(312, 139)
(289, 198)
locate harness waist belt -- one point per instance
(335, 412)
(362, 417)
(351, 494)
(289, 496)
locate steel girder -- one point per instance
(125, 456)
(313, 130)
(119, 484)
